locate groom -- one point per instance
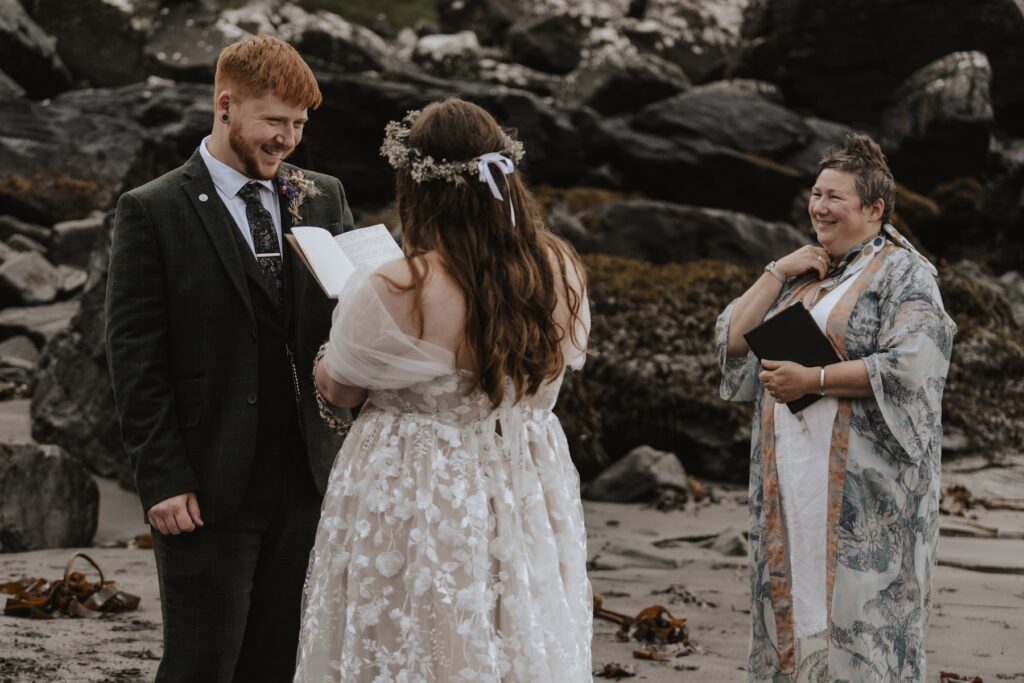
(212, 326)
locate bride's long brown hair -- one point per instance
(509, 275)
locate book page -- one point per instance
(369, 248)
(324, 258)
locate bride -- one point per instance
(451, 545)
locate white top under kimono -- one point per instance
(802, 445)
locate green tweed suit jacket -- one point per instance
(182, 342)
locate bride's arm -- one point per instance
(337, 393)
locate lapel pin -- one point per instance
(203, 197)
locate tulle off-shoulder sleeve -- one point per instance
(575, 345)
(368, 349)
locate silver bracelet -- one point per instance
(770, 269)
(821, 381)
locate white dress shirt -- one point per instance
(228, 182)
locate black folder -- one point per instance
(794, 336)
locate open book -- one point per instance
(333, 258)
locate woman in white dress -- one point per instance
(451, 545)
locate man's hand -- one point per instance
(176, 515)
(786, 381)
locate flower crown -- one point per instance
(424, 168)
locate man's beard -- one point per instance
(247, 155)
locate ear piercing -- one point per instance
(224, 118)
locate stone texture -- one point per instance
(73, 241)
(344, 46)
(641, 474)
(10, 226)
(47, 499)
(73, 402)
(864, 51)
(39, 323)
(28, 279)
(455, 55)
(941, 123)
(550, 43)
(615, 82)
(661, 232)
(28, 55)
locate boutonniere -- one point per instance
(296, 188)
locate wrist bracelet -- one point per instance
(334, 422)
(770, 269)
(821, 381)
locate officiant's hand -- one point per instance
(806, 259)
(786, 381)
(178, 514)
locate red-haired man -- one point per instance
(212, 325)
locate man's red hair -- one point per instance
(261, 64)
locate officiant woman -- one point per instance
(844, 495)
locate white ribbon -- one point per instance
(506, 167)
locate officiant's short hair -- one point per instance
(261, 64)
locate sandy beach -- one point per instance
(636, 554)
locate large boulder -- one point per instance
(699, 36)
(39, 323)
(941, 124)
(339, 43)
(101, 42)
(28, 55)
(73, 402)
(642, 473)
(550, 43)
(864, 51)
(347, 131)
(455, 55)
(613, 77)
(57, 162)
(719, 147)
(28, 279)
(653, 375)
(662, 232)
(81, 151)
(47, 499)
(488, 19)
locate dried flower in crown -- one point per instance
(296, 188)
(424, 168)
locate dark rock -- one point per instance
(455, 55)
(73, 402)
(9, 88)
(614, 82)
(660, 232)
(22, 243)
(72, 280)
(28, 279)
(355, 111)
(9, 226)
(941, 124)
(343, 45)
(720, 149)
(184, 41)
(825, 134)
(20, 347)
(57, 162)
(28, 55)
(39, 323)
(17, 372)
(982, 398)
(699, 36)
(550, 43)
(488, 19)
(653, 374)
(102, 42)
(518, 76)
(47, 499)
(73, 241)
(642, 473)
(730, 542)
(865, 50)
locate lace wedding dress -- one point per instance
(451, 545)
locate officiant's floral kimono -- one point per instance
(882, 494)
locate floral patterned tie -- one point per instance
(264, 238)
